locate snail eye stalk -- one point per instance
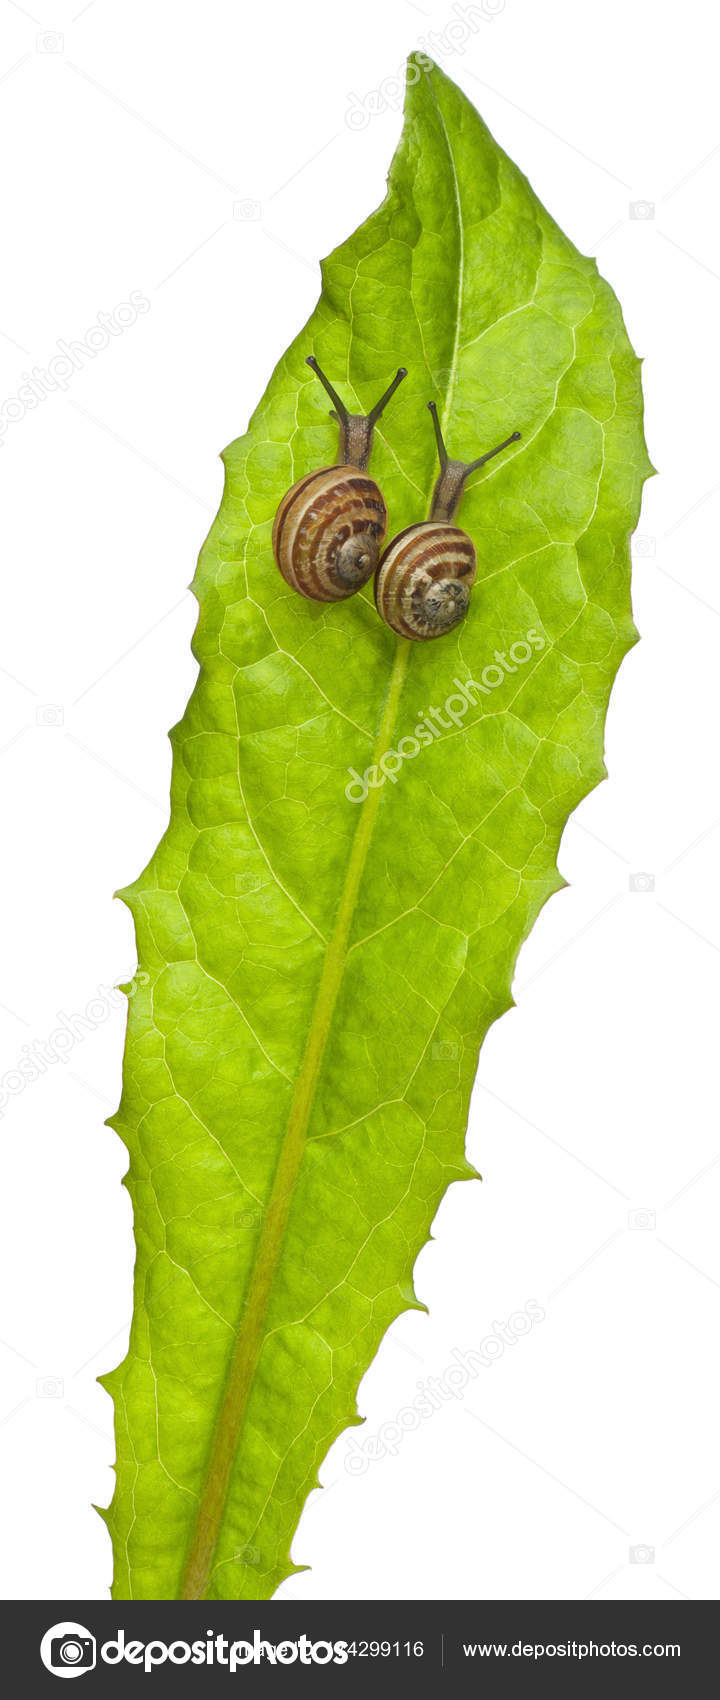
(455, 473)
(356, 429)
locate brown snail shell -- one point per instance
(328, 533)
(423, 582)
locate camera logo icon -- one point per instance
(49, 1387)
(642, 210)
(246, 883)
(68, 1649)
(644, 546)
(642, 1221)
(444, 1051)
(642, 1554)
(50, 714)
(249, 1218)
(49, 41)
(641, 882)
(248, 211)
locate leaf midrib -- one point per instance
(213, 1496)
(250, 1336)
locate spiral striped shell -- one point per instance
(423, 582)
(328, 533)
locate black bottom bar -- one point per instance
(493, 1647)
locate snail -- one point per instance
(330, 527)
(423, 582)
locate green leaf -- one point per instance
(321, 971)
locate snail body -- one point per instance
(330, 527)
(426, 574)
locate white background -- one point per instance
(200, 153)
